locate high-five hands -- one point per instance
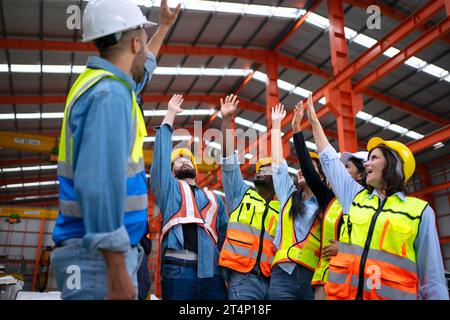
(299, 111)
(312, 116)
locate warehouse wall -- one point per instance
(20, 241)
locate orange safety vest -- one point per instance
(250, 235)
(189, 212)
(377, 258)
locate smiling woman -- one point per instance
(388, 243)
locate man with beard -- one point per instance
(102, 182)
(248, 250)
(194, 221)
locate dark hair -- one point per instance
(359, 164)
(297, 206)
(391, 182)
(319, 167)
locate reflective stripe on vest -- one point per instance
(306, 252)
(250, 232)
(330, 225)
(189, 212)
(389, 259)
(135, 206)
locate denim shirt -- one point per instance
(284, 187)
(167, 193)
(101, 125)
(430, 268)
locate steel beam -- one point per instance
(389, 11)
(440, 135)
(432, 189)
(427, 38)
(283, 60)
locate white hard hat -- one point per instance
(362, 155)
(106, 17)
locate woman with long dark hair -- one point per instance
(330, 207)
(297, 238)
(388, 245)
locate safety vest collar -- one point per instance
(189, 212)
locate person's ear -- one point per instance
(135, 45)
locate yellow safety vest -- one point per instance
(250, 233)
(330, 225)
(69, 223)
(306, 252)
(376, 258)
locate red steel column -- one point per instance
(344, 102)
(272, 97)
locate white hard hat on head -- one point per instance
(361, 155)
(105, 17)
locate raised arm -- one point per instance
(319, 135)
(227, 109)
(322, 193)
(167, 18)
(160, 172)
(344, 186)
(233, 183)
(278, 114)
(282, 183)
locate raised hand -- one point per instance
(166, 16)
(299, 111)
(278, 114)
(312, 116)
(229, 106)
(175, 102)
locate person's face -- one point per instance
(141, 52)
(264, 176)
(374, 167)
(353, 170)
(183, 168)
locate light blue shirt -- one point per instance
(232, 181)
(284, 187)
(430, 267)
(101, 125)
(167, 192)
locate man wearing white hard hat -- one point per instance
(354, 163)
(102, 180)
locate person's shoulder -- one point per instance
(111, 88)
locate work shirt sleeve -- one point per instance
(150, 66)
(100, 171)
(282, 183)
(233, 183)
(161, 179)
(430, 267)
(222, 223)
(344, 186)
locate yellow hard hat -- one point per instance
(314, 155)
(183, 152)
(409, 163)
(263, 162)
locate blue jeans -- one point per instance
(81, 275)
(247, 286)
(295, 286)
(181, 283)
